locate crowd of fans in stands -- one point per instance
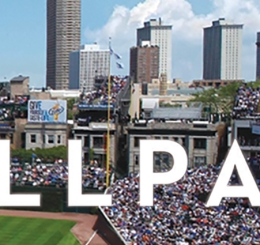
(56, 175)
(179, 216)
(11, 113)
(246, 102)
(100, 95)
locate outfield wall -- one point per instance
(53, 199)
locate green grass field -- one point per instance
(32, 231)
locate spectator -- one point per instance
(246, 102)
(178, 216)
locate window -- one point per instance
(33, 138)
(199, 161)
(58, 139)
(11, 138)
(200, 144)
(86, 141)
(51, 139)
(183, 141)
(136, 160)
(98, 142)
(136, 141)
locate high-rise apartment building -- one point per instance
(222, 51)
(63, 37)
(144, 63)
(159, 35)
(86, 64)
(258, 56)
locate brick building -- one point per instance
(144, 63)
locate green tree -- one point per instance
(163, 104)
(91, 154)
(218, 100)
(47, 154)
(70, 105)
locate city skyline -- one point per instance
(23, 45)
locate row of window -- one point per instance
(197, 143)
(198, 161)
(50, 139)
(97, 142)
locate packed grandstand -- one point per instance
(97, 99)
(56, 175)
(246, 102)
(99, 96)
(179, 214)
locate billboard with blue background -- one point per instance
(47, 111)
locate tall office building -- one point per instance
(144, 62)
(63, 37)
(159, 35)
(87, 64)
(258, 56)
(222, 51)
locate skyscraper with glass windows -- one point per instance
(63, 37)
(222, 51)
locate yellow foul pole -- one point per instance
(108, 123)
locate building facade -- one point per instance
(63, 37)
(144, 63)
(86, 64)
(213, 83)
(222, 51)
(247, 134)
(93, 139)
(159, 35)
(199, 140)
(45, 135)
(258, 56)
(19, 86)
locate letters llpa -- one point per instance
(148, 178)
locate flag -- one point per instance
(117, 56)
(120, 66)
(111, 51)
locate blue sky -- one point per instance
(23, 32)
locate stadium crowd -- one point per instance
(179, 215)
(99, 97)
(101, 94)
(246, 102)
(6, 113)
(56, 175)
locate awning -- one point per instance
(150, 103)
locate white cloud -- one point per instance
(187, 31)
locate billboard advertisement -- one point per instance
(94, 107)
(47, 111)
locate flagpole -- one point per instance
(108, 120)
